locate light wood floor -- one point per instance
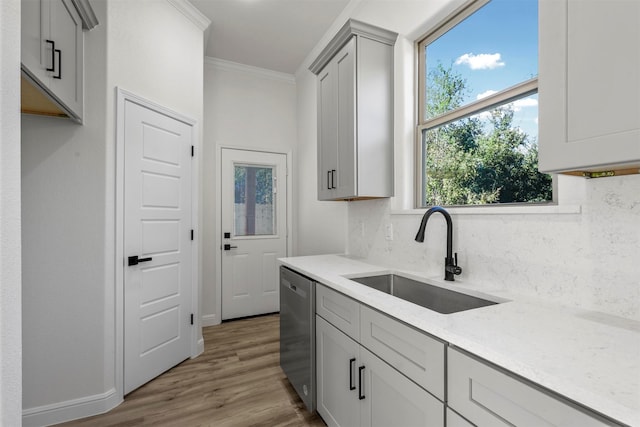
(236, 382)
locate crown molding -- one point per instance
(349, 29)
(87, 15)
(223, 64)
(193, 14)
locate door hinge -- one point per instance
(193, 151)
(192, 234)
(192, 318)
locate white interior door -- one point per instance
(254, 227)
(157, 243)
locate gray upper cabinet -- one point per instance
(589, 85)
(52, 56)
(355, 113)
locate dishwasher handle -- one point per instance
(295, 289)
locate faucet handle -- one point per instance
(456, 270)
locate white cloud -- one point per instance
(486, 93)
(523, 103)
(485, 115)
(483, 61)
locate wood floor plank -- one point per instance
(236, 382)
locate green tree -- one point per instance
(471, 162)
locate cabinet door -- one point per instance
(589, 81)
(336, 375)
(66, 31)
(345, 61)
(391, 399)
(327, 133)
(52, 51)
(32, 54)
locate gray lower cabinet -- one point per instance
(489, 397)
(373, 370)
(357, 386)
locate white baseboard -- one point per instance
(71, 409)
(200, 346)
(210, 320)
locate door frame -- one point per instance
(196, 340)
(218, 210)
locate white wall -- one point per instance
(582, 259)
(64, 212)
(321, 226)
(244, 107)
(10, 245)
(70, 348)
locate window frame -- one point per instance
(517, 91)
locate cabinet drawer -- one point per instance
(489, 397)
(339, 310)
(413, 353)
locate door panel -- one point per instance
(336, 367)
(327, 132)
(254, 215)
(393, 399)
(157, 229)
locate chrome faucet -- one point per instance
(450, 264)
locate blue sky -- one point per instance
(493, 49)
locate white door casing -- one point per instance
(249, 268)
(156, 223)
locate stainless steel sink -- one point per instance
(435, 298)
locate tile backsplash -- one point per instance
(589, 259)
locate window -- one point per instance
(254, 209)
(478, 108)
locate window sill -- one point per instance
(571, 209)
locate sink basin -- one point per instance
(434, 298)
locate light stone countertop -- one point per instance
(588, 357)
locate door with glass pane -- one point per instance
(254, 230)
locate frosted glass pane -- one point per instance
(254, 204)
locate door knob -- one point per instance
(228, 247)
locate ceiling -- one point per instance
(272, 34)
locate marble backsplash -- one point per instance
(589, 259)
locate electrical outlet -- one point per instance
(388, 231)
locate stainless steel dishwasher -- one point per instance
(298, 334)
